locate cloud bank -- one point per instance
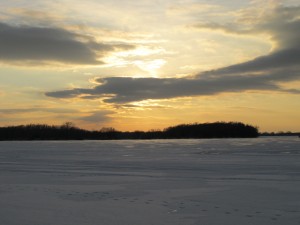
(125, 89)
(44, 44)
(264, 73)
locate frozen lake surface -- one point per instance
(155, 182)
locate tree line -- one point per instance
(68, 131)
(281, 133)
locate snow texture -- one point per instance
(155, 182)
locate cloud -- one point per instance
(96, 117)
(192, 8)
(58, 113)
(280, 23)
(125, 89)
(264, 73)
(288, 59)
(44, 44)
(30, 110)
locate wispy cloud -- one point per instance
(97, 117)
(192, 8)
(279, 23)
(60, 114)
(9, 111)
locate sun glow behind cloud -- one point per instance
(145, 58)
(195, 53)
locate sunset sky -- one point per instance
(147, 64)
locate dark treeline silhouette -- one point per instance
(68, 131)
(281, 133)
(212, 130)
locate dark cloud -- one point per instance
(24, 43)
(125, 89)
(288, 59)
(283, 24)
(264, 73)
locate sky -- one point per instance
(150, 64)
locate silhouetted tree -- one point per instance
(68, 131)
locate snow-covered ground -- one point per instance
(155, 182)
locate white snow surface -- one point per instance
(151, 182)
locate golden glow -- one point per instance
(141, 51)
(150, 66)
(144, 39)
